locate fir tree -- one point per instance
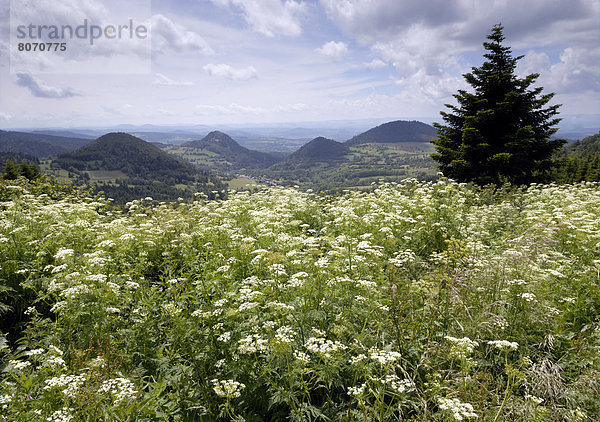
(501, 132)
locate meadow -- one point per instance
(428, 301)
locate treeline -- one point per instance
(579, 162)
(15, 165)
(122, 192)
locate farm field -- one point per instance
(429, 301)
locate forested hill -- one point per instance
(38, 145)
(318, 150)
(396, 131)
(589, 145)
(579, 161)
(139, 169)
(132, 156)
(221, 146)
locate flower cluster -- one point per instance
(457, 410)
(121, 389)
(504, 344)
(462, 348)
(227, 388)
(324, 347)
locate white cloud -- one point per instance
(333, 50)
(162, 80)
(291, 107)
(577, 71)
(168, 35)
(5, 116)
(234, 108)
(270, 17)
(229, 72)
(425, 42)
(375, 64)
(533, 62)
(40, 89)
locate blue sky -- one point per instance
(252, 61)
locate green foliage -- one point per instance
(579, 162)
(13, 170)
(501, 132)
(416, 301)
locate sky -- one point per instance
(263, 61)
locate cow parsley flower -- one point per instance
(324, 347)
(457, 410)
(227, 388)
(384, 357)
(121, 389)
(462, 348)
(62, 415)
(63, 254)
(252, 344)
(504, 344)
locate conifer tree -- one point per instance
(500, 132)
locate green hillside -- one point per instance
(417, 301)
(218, 151)
(126, 168)
(579, 161)
(38, 145)
(356, 166)
(315, 153)
(397, 131)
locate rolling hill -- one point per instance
(315, 153)
(128, 167)
(39, 145)
(396, 131)
(390, 152)
(218, 151)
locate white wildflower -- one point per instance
(225, 337)
(62, 415)
(252, 344)
(227, 388)
(357, 391)
(504, 344)
(121, 389)
(462, 348)
(458, 410)
(528, 297)
(301, 356)
(18, 365)
(63, 254)
(384, 357)
(70, 384)
(324, 347)
(285, 335)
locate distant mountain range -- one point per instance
(39, 145)
(126, 167)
